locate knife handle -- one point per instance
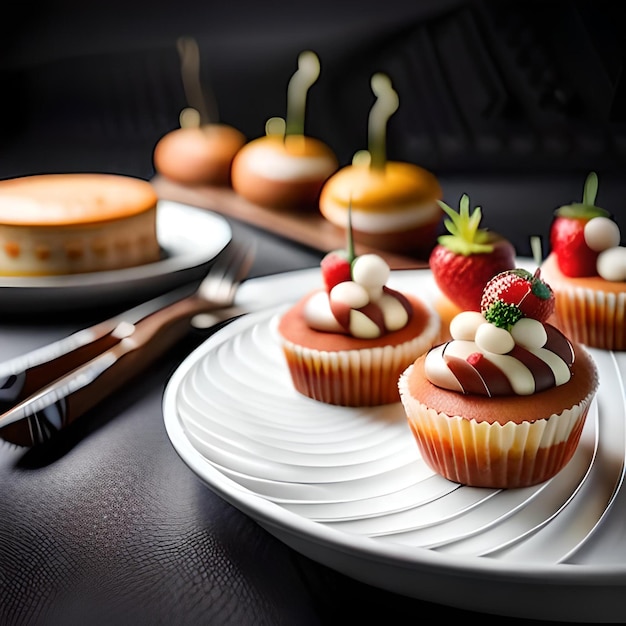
(56, 405)
(20, 377)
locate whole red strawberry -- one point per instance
(463, 261)
(336, 265)
(567, 237)
(336, 268)
(517, 293)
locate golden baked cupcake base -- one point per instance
(589, 310)
(342, 370)
(503, 442)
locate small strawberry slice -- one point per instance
(567, 233)
(520, 289)
(335, 268)
(336, 265)
(463, 261)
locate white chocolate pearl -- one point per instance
(395, 315)
(371, 271)
(529, 333)
(362, 326)
(463, 326)
(491, 338)
(601, 233)
(611, 264)
(318, 314)
(350, 293)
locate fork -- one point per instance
(84, 368)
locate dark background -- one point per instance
(511, 102)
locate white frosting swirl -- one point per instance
(483, 358)
(363, 307)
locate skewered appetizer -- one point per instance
(201, 151)
(196, 153)
(393, 204)
(285, 169)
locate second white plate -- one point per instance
(189, 237)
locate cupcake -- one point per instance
(394, 204)
(586, 268)
(347, 342)
(503, 403)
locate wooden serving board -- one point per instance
(308, 228)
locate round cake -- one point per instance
(201, 155)
(503, 403)
(52, 224)
(393, 208)
(348, 342)
(283, 172)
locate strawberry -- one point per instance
(567, 233)
(516, 293)
(336, 265)
(336, 268)
(463, 261)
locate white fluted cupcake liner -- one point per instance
(480, 454)
(364, 377)
(594, 318)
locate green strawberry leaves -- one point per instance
(503, 314)
(587, 208)
(465, 236)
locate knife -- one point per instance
(114, 357)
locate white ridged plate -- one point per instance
(347, 487)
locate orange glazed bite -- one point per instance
(198, 155)
(393, 208)
(54, 224)
(283, 172)
(393, 204)
(201, 151)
